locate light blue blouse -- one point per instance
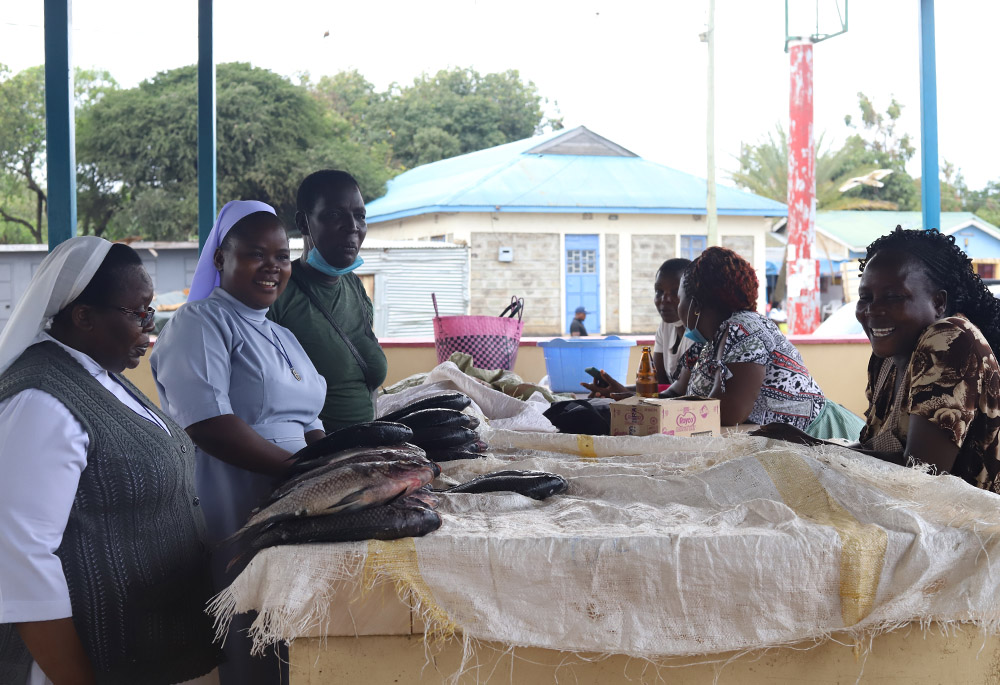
(218, 356)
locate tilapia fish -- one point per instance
(371, 434)
(442, 437)
(452, 455)
(353, 487)
(356, 454)
(400, 519)
(445, 400)
(362, 457)
(422, 496)
(535, 484)
(429, 418)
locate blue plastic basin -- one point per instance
(566, 359)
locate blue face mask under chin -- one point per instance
(316, 261)
(693, 333)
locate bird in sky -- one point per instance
(873, 179)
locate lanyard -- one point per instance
(275, 343)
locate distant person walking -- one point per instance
(576, 327)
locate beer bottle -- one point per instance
(645, 379)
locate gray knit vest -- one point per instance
(133, 551)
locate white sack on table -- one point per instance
(691, 546)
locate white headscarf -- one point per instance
(60, 279)
(206, 276)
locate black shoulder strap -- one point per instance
(305, 288)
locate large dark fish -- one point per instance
(533, 484)
(453, 454)
(421, 497)
(445, 400)
(355, 454)
(400, 519)
(359, 456)
(431, 418)
(353, 487)
(371, 434)
(441, 437)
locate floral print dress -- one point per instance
(953, 381)
(788, 393)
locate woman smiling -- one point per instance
(933, 381)
(242, 386)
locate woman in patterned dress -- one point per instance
(745, 362)
(933, 381)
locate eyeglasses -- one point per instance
(144, 317)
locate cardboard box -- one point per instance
(682, 416)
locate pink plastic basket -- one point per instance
(492, 341)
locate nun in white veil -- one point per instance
(84, 319)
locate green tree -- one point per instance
(763, 171)
(451, 113)
(139, 149)
(985, 203)
(23, 195)
(763, 168)
(22, 151)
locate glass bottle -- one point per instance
(645, 378)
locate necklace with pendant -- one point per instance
(276, 344)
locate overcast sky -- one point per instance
(632, 71)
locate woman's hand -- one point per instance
(607, 387)
(788, 433)
(230, 439)
(56, 648)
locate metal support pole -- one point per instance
(206, 122)
(60, 140)
(803, 269)
(930, 187)
(710, 204)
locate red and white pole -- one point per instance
(802, 276)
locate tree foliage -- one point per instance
(138, 148)
(23, 193)
(450, 113)
(763, 168)
(764, 171)
(137, 156)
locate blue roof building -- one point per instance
(568, 219)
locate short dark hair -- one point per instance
(950, 269)
(673, 267)
(719, 277)
(243, 224)
(110, 276)
(319, 182)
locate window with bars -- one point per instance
(693, 245)
(581, 261)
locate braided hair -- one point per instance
(950, 269)
(721, 278)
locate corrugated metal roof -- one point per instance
(511, 178)
(857, 229)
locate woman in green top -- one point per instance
(325, 304)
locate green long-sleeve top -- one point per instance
(348, 398)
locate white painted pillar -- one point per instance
(625, 281)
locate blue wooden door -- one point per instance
(583, 280)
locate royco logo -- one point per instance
(686, 419)
(634, 415)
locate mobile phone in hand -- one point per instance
(598, 378)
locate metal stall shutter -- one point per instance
(405, 277)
